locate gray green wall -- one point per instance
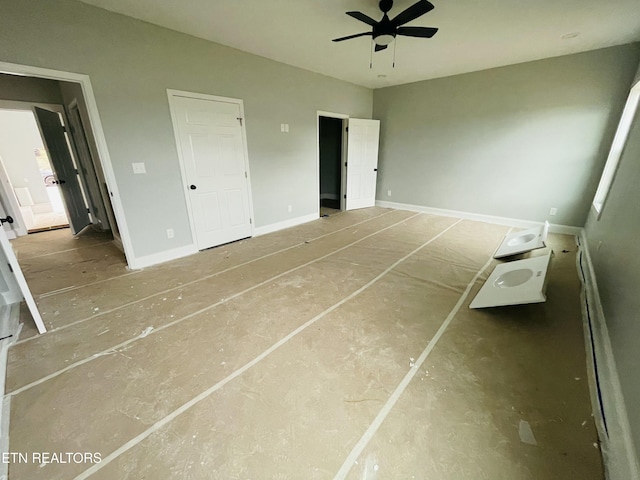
(132, 63)
(27, 89)
(511, 142)
(617, 267)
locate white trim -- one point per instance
(510, 222)
(101, 141)
(343, 168)
(621, 462)
(164, 256)
(171, 94)
(322, 113)
(292, 222)
(617, 147)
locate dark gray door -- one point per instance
(58, 150)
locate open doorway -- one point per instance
(27, 172)
(66, 150)
(57, 181)
(331, 154)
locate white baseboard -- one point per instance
(618, 450)
(274, 227)
(510, 222)
(149, 260)
(161, 257)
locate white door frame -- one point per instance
(343, 168)
(171, 94)
(101, 142)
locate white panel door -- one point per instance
(13, 286)
(213, 155)
(362, 162)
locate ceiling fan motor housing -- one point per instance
(384, 32)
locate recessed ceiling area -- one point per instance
(472, 35)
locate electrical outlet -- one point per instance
(282, 127)
(553, 211)
(286, 128)
(289, 208)
(170, 233)
(388, 193)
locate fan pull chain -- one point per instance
(371, 53)
(394, 52)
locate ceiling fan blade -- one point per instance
(423, 32)
(416, 10)
(352, 36)
(363, 18)
(380, 47)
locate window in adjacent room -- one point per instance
(617, 147)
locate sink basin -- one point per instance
(515, 283)
(513, 278)
(522, 239)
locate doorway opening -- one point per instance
(53, 187)
(331, 153)
(27, 171)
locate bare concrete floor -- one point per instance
(342, 348)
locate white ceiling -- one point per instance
(474, 35)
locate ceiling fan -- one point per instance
(386, 30)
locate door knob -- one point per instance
(375, 169)
(192, 187)
(62, 181)
(9, 219)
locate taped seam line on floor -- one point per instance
(186, 406)
(63, 251)
(114, 348)
(75, 287)
(404, 383)
(64, 290)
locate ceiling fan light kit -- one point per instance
(384, 39)
(385, 31)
